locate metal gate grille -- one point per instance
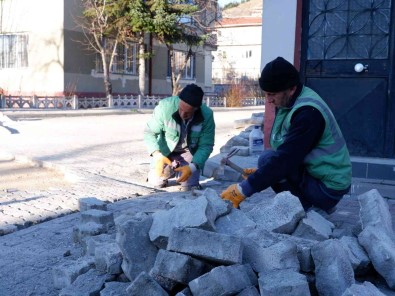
(348, 29)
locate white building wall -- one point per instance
(44, 73)
(239, 51)
(278, 30)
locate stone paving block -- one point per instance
(358, 257)
(224, 280)
(281, 214)
(303, 250)
(108, 258)
(89, 283)
(250, 291)
(220, 206)
(144, 285)
(99, 217)
(236, 141)
(65, 273)
(282, 255)
(211, 246)
(82, 231)
(244, 150)
(381, 251)
(138, 252)
(234, 222)
(364, 289)
(91, 242)
(7, 228)
(314, 227)
(185, 292)
(333, 270)
(283, 282)
(90, 203)
(375, 211)
(177, 267)
(195, 213)
(114, 289)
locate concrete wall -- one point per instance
(278, 30)
(44, 74)
(278, 39)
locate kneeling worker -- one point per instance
(180, 136)
(309, 156)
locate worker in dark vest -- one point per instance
(309, 156)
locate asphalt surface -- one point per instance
(102, 155)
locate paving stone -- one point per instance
(207, 245)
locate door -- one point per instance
(347, 57)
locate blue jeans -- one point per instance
(309, 190)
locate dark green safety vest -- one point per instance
(329, 161)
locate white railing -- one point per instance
(125, 101)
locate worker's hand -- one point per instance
(186, 172)
(247, 172)
(160, 162)
(234, 194)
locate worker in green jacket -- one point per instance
(180, 138)
(309, 155)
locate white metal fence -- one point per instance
(126, 101)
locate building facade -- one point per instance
(238, 55)
(42, 52)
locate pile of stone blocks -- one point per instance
(201, 245)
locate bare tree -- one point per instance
(101, 30)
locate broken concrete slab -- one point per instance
(98, 216)
(115, 289)
(90, 203)
(234, 222)
(108, 258)
(358, 257)
(364, 289)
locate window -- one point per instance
(125, 59)
(189, 70)
(13, 51)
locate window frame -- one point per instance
(14, 51)
(126, 65)
(189, 72)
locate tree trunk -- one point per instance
(141, 65)
(106, 76)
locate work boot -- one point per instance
(164, 184)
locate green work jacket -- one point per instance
(162, 131)
(329, 161)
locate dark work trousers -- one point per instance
(309, 190)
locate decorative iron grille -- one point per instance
(349, 29)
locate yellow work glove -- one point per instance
(247, 172)
(234, 194)
(160, 162)
(186, 172)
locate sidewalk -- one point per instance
(105, 157)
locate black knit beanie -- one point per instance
(192, 95)
(278, 75)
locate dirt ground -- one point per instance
(23, 176)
